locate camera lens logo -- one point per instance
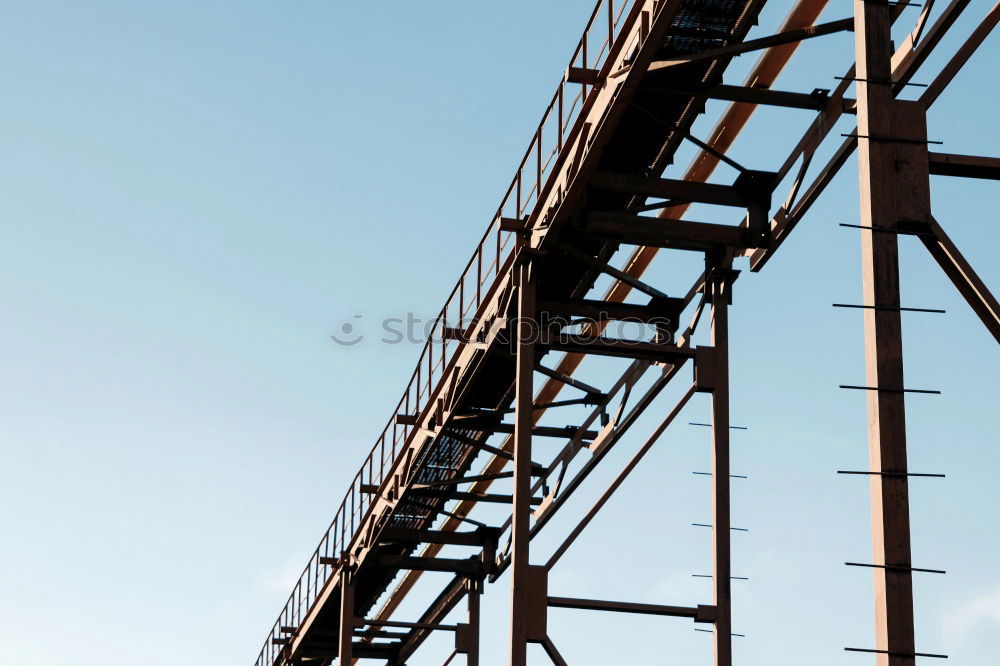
(349, 334)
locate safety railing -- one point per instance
(492, 258)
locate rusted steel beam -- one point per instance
(786, 37)
(712, 376)
(965, 166)
(665, 233)
(894, 187)
(469, 567)
(523, 425)
(582, 75)
(765, 97)
(905, 62)
(345, 642)
(539, 431)
(594, 344)
(489, 498)
(724, 133)
(698, 614)
(467, 636)
(553, 652)
(453, 538)
(957, 61)
(655, 312)
(957, 268)
(608, 269)
(428, 626)
(723, 195)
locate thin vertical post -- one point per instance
(475, 590)
(894, 187)
(719, 284)
(520, 523)
(346, 634)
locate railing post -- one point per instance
(523, 421)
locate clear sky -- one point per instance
(195, 195)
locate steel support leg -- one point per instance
(719, 285)
(523, 418)
(472, 653)
(895, 188)
(346, 634)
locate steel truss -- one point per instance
(569, 211)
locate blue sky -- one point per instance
(196, 195)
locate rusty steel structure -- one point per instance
(591, 185)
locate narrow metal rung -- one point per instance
(889, 230)
(710, 576)
(892, 139)
(888, 307)
(881, 83)
(894, 567)
(709, 425)
(897, 654)
(734, 529)
(889, 390)
(900, 474)
(711, 631)
(731, 476)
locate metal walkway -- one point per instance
(590, 186)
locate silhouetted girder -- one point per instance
(966, 166)
(660, 232)
(655, 311)
(732, 50)
(764, 96)
(361, 632)
(478, 537)
(593, 344)
(723, 195)
(468, 567)
(751, 190)
(470, 496)
(360, 650)
(479, 423)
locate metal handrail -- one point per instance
(489, 261)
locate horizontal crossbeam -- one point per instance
(662, 232)
(594, 344)
(451, 565)
(766, 96)
(656, 311)
(787, 37)
(476, 538)
(966, 166)
(471, 496)
(711, 193)
(698, 613)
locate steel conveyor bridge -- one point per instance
(591, 203)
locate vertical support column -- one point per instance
(894, 188)
(472, 619)
(523, 420)
(346, 634)
(719, 283)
